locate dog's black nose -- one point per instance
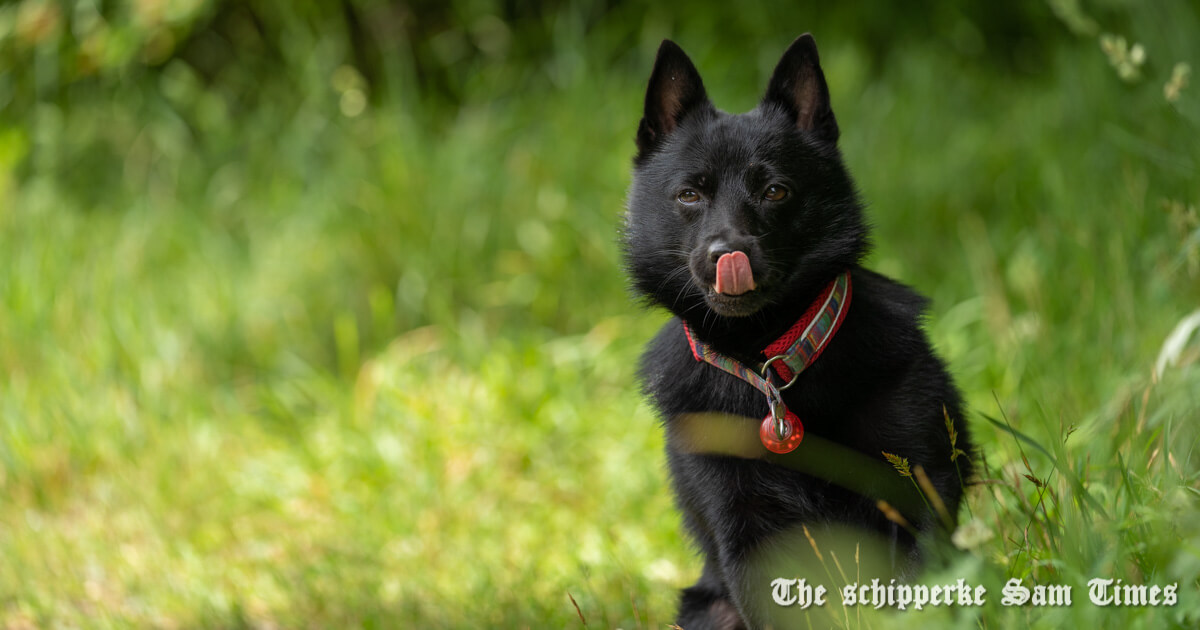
(717, 249)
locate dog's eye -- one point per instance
(775, 192)
(688, 197)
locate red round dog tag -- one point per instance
(793, 433)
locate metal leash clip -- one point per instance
(781, 431)
(778, 413)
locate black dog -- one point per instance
(742, 225)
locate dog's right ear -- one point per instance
(798, 85)
(675, 89)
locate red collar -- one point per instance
(790, 354)
(800, 346)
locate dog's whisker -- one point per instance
(671, 276)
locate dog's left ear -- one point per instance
(675, 89)
(799, 86)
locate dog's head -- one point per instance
(732, 214)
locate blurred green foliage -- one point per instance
(312, 312)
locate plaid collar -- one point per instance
(790, 354)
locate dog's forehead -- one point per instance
(737, 142)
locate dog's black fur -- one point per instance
(877, 387)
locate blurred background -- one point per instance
(312, 313)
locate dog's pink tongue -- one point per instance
(733, 274)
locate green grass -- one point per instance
(330, 371)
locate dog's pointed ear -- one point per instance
(675, 89)
(799, 86)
